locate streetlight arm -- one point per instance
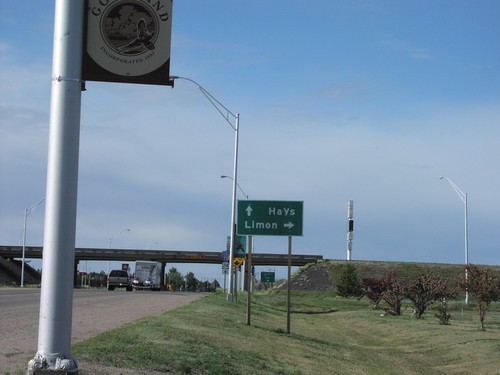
(242, 192)
(217, 104)
(238, 185)
(460, 193)
(34, 207)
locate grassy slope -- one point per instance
(378, 268)
(304, 279)
(210, 337)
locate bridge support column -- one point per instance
(75, 273)
(164, 276)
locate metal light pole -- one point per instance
(246, 197)
(26, 213)
(56, 296)
(226, 113)
(463, 197)
(111, 240)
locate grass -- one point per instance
(210, 336)
(12, 354)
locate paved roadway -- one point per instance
(94, 311)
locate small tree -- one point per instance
(393, 293)
(175, 277)
(442, 313)
(483, 288)
(348, 284)
(191, 282)
(97, 279)
(424, 291)
(373, 289)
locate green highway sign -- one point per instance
(270, 218)
(267, 277)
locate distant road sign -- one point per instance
(238, 261)
(267, 277)
(196, 256)
(270, 218)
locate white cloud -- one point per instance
(416, 53)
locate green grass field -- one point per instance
(210, 336)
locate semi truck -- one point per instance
(147, 275)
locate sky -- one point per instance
(370, 101)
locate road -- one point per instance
(94, 311)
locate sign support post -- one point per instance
(249, 278)
(272, 218)
(289, 285)
(56, 298)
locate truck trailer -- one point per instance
(147, 275)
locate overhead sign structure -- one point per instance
(128, 41)
(270, 218)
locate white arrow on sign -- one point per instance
(289, 225)
(249, 210)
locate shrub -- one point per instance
(348, 284)
(424, 291)
(483, 288)
(442, 313)
(373, 289)
(393, 293)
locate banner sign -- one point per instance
(240, 245)
(128, 41)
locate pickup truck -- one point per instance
(119, 279)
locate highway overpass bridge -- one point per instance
(167, 256)
(163, 256)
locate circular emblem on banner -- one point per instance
(129, 37)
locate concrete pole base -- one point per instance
(52, 365)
